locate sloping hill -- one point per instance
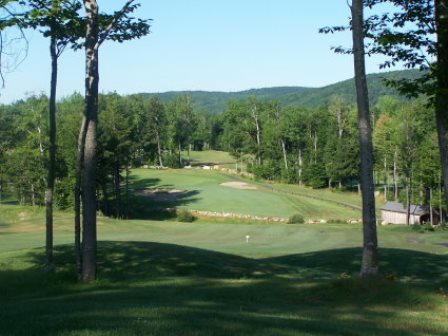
(216, 102)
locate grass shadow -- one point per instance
(166, 289)
(153, 201)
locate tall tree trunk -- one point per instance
(386, 179)
(90, 156)
(300, 166)
(285, 157)
(395, 176)
(442, 219)
(105, 198)
(49, 191)
(441, 99)
(78, 182)
(431, 215)
(117, 184)
(408, 204)
(258, 134)
(180, 152)
(126, 194)
(370, 254)
(159, 148)
(33, 195)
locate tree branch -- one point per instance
(113, 23)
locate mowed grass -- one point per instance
(168, 278)
(209, 157)
(204, 192)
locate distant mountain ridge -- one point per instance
(216, 101)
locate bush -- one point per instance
(185, 216)
(296, 219)
(335, 221)
(171, 161)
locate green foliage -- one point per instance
(296, 219)
(314, 175)
(171, 160)
(185, 216)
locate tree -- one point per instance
(156, 123)
(369, 265)
(117, 30)
(416, 34)
(59, 21)
(441, 94)
(14, 45)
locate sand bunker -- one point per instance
(239, 185)
(163, 195)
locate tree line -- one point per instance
(414, 33)
(313, 147)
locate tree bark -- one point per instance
(441, 97)
(285, 157)
(369, 265)
(49, 192)
(90, 155)
(78, 182)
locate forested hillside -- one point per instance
(215, 102)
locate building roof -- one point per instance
(398, 207)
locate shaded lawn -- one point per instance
(149, 288)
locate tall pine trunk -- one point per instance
(49, 191)
(441, 99)
(370, 244)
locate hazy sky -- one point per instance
(212, 45)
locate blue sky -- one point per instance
(212, 45)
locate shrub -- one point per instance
(185, 216)
(296, 219)
(335, 221)
(171, 161)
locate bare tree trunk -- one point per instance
(106, 199)
(300, 166)
(285, 158)
(441, 99)
(258, 134)
(408, 204)
(370, 254)
(159, 148)
(91, 114)
(180, 157)
(52, 157)
(386, 179)
(117, 184)
(395, 176)
(126, 194)
(33, 195)
(431, 216)
(442, 219)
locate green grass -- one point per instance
(210, 157)
(205, 193)
(168, 278)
